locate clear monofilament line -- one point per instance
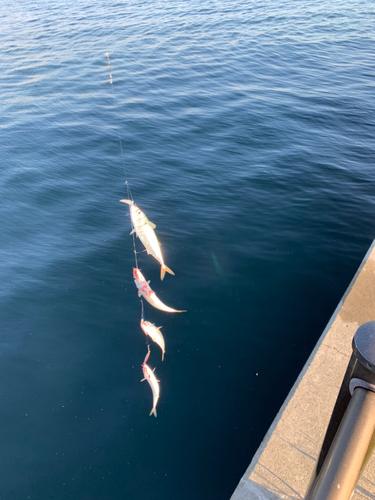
(117, 130)
(142, 317)
(129, 193)
(143, 312)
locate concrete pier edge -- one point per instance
(284, 462)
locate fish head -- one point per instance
(144, 325)
(137, 275)
(146, 371)
(137, 216)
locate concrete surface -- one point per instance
(283, 465)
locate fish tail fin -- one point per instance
(162, 271)
(153, 411)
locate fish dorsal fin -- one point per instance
(148, 282)
(152, 224)
(139, 293)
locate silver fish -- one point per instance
(155, 334)
(144, 230)
(154, 384)
(144, 290)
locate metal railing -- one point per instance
(350, 436)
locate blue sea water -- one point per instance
(247, 134)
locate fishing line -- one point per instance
(117, 129)
(142, 316)
(130, 196)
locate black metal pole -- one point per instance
(342, 467)
(359, 376)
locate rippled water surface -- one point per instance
(247, 133)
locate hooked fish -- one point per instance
(154, 332)
(151, 379)
(145, 291)
(144, 230)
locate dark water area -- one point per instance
(247, 133)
